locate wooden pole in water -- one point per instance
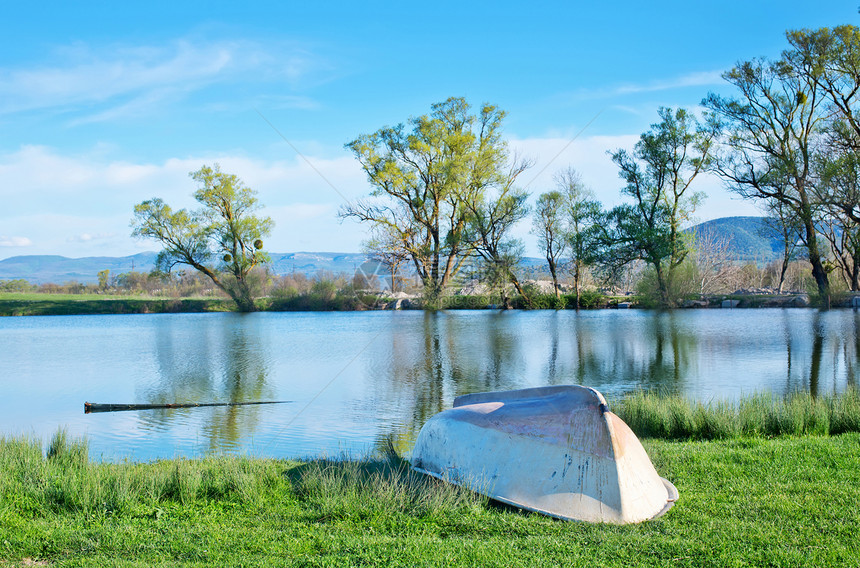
(91, 407)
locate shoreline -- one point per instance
(87, 305)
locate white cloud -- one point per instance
(695, 79)
(90, 237)
(128, 79)
(698, 79)
(80, 205)
(590, 156)
(14, 241)
(77, 205)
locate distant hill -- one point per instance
(747, 238)
(39, 269)
(746, 243)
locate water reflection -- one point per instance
(822, 351)
(224, 362)
(852, 353)
(426, 367)
(709, 356)
(362, 378)
(817, 351)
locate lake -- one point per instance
(357, 379)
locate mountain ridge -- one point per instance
(746, 243)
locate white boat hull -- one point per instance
(553, 450)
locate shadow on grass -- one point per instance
(338, 489)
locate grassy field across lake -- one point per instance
(34, 304)
(789, 501)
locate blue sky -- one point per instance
(106, 104)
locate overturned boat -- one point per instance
(554, 450)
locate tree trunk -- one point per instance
(515, 281)
(576, 283)
(245, 302)
(661, 285)
(818, 271)
(552, 271)
(782, 275)
(242, 297)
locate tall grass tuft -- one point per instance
(656, 415)
(68, 452)
(62, 480)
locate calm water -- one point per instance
(362, 377)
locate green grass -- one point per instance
(88, 304)
(674, 417)
(788, 501)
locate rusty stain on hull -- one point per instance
(554, 450)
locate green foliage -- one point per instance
(444, 189)
(104, 279)
(224, 228)
(49, 304)
(588, 299)
(67, 452)
(366, 489)
(658, 175)
(15, 286)
(679, 284)
(539, 301)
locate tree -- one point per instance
(830, 60)
(385, 248)
(783, 225)
(715, 270)
(583, 216)
(839, 191)
(222, 239)
(771, 131)
(658, 176)
(550, 227)
(425, 179)
(104, 279)
(490, 220)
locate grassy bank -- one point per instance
(674, 417)
(32, 304)
(746, 502)
(25, 304)
(89, 304)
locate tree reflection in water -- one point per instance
(449, 356)
(415, 364)
(222, 360)
(458, 353)
(357, 377)
(714, 355)
(822, 350)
